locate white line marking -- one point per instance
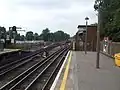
(58, 75)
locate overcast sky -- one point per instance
(36, 15)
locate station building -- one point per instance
(91, 37)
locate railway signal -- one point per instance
(13, 32)
(14, 28)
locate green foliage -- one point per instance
(61, 36)
(12, 33)
(2, 33)
(56, 36)
(29, 36)
(22, 37)
(18, 37)
(51, 37)
(36, 36)
(46, 35)
(109, 18)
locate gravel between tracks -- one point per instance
(12, 74)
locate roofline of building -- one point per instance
(85, 26)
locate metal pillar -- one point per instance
(86, 38)
(98, 41)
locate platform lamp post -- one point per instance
(86, 19)
(98, 40)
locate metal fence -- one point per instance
(112, 47)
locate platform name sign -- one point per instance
(105, 44)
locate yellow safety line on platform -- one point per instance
(63, 84)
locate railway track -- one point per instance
(14, 59)
(41, 72)
(10, 66)
(14, 70)
(11, 71)
(14, 56)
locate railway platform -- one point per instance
(79, 73)
(7, 52)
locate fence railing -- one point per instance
(112, 47)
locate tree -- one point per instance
(2, 33)
(40, 37)
(61, 36)
(45, 34)
(29, 36)
(110, 17)
(22, 38)
(36, 36)
(57, 36)
(51, 37)
(66, 36)
(45, 31)
(18, 37)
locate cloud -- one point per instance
(47, 4)
(35, 15)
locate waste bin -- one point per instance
(117, 59)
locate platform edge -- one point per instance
(58, 75)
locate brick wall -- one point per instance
(92, 37)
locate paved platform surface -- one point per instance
(83, 74)
(8, 51)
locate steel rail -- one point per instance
(27, 57)
(17, 61)
(23, 79)
(30, 85)
(16, 66)
(27, 71)
(4, 71)
(45, 86)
